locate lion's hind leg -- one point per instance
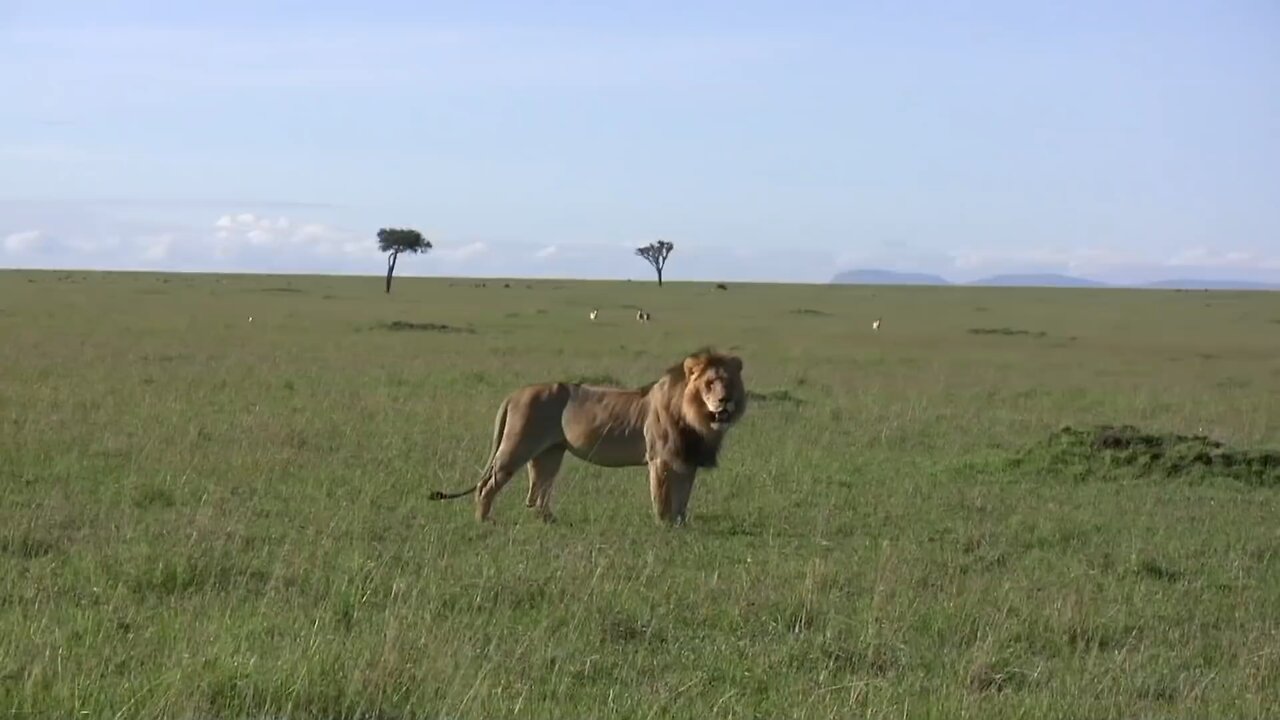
(531, 427)
(498, 477)
(543, 469)
(505, 465)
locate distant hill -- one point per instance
(1041, 280)
(1051, 280)
(886, 277)
(1191, 284)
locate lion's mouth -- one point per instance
(720, 417)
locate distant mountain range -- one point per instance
(887, 277)
(890, 277)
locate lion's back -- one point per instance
(541, 397)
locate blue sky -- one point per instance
(768, 141)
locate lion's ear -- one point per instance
(691, 366)
(735, 364)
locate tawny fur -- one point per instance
(674, 425)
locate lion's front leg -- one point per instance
(680, 488)
(670, 489)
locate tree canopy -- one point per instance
(656, 253)
(400, 240)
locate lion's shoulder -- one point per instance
(669, 384)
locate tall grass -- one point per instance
(206, 517)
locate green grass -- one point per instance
(206, 517)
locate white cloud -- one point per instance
(1077, 260)
(155, 247)
(260, 230)
(318, 232)
(230, 242)
(1227, 259)
(462, 253)
(546, 252)
(247, 232)
(25, 241)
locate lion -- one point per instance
(674, 425)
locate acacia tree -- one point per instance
(656, 253)
(398, 240)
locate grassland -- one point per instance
(206, 517)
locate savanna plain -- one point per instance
(206, 517)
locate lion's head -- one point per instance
(695, 404)
(714, 395)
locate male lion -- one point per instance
(674, 425)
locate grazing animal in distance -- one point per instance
(876, 325)
(642, 316)
(674, 425)
(721, 286)
(594, 313)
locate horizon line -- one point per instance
(1250, 286)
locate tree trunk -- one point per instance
(391, 267)
(659, 277)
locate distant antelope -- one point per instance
(876, 325)
(642, 316)
(594, 313)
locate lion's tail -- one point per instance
(499, 427)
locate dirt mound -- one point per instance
(400, 325)
(1124, 450)
(1006, 331)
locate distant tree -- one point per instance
(656, 254)
(398, 240)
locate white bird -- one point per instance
(876, 325)
(250, 318)
(642, 316)
(594, 312)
